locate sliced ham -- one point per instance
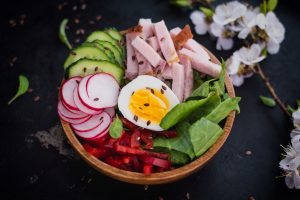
(147, 28)
(182, 37)
(167, 72)
(152, 41)
(143, 66)
(191, 44)
(178, 80)
(188, 76)
(201, 64)
(165, 42)
(148, 52)
(132, 63)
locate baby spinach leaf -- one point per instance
(116, 128)
(202, 90)
(178, 158)
(204, 134)
(197, 79)
(223, 109)
(180, 143)
(267, 101)
(23, 87)
(181, 111)
(221, 81)
(62, 33)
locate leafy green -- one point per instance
(263, 7)
(62, 33)
(207, 12)
(202, 90)
(181, 111)
(181, 3)
(116, 128)
(267, 101)
(221, 81)
(180, 143)
(202, 111)
(272, 4)
(23, 87)
(178, 158)
(204, 134)
(223, 109)
(290, 109)
(197, 79)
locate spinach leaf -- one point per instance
(223, 109)
(202, 90)
(23, 87)
(116, 128)
(221, 81)
(178, 158)
(267, 101)
(181, 111)
(204, 110)
(197, 79)
(180, 143)
(62, 33)
(204, 134)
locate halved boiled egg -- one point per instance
(145, 101)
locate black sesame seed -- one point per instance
(148, 123)
(133, 57)
(84, 69)
(141, 62)
(101, 118)
(152, 91)
(162, 91)
(132, 93)
(146, 104)
(163, 87)
(135, 118)
(77, 81)
(162, 39)
(140, 108)
(73, 53)
(96, 99)
(158, 71)
(96, 69)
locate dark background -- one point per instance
(230, 175)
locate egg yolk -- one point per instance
(149, 104)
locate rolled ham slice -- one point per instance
(201, 64)
(147, 28)
(152, 41)
(178, 80)
(165, 42)
(188, 76)
(191, 44)
(148, 52)
(132, 63)
(167, 72)
(143, 66)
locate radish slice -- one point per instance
(111, 111)
(69, 109)
(100, 129)
(82, 107)
(67, 92)
(68, 114)
(90, 124)
(99, 91)
(97, 137)
(73, 121)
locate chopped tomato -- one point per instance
(147, 169)
(95, 151)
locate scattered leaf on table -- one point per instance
(23, 87)
(62, 33)
(267, 101)
(116, 128)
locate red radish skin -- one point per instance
(99, 91)
(82, 107)
(98, 130)
(67, 92)
(73, 121)
(89, 125)
(111, 111)
(68, 114)
(69, 109)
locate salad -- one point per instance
(145, 100)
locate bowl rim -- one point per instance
(161, 177)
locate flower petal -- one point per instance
(285, 163)
(294, 133)
(289, 181)
(232, 65)
(272, 47)
(216, 29)
(296, 179)
(224, 43)
(261, 21)
(197, 17)
(201, 29)
(296, 117)
(274, 28)
(237, 80)
(244, 33)
(296, 144)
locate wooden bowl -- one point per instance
(162, 177)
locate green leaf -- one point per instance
(178, 158)
(272, 4)
(204, 134)
(197, 79)
(180, 143)
(204, 110)
(207, 12)
(290, 109)
(263, 7)
(267, 101)
(223, 109)
(181, 3)
(23, 87)
(116, 128)
(182, 111)
(202, 90)
(62, 33)
(264, 52)
(221, 80)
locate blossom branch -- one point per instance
(271, 89)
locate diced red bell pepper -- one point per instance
(147, 138)
(110, 143)
(95, 151)
(126, 159)
(125, 139)
(156, 161)
(129, 150)
(135, 139)
(167, 134)
(128, 124)
(147, 169)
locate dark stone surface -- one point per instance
(40, 56)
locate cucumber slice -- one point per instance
(85, 51)
(101, 35)
(114, 33)
(113, 49)
(107, 51)
(84, 67)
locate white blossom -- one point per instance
(296, 119)
(275, 31)
(199, 20)
(229, 12)
(250, 56)
(223, 42)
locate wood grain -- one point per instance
(163, 177)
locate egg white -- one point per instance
(142, 82)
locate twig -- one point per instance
(281, 105)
